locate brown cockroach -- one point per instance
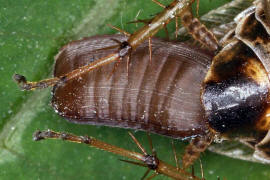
(137, 99)
(127, 47)
(163, 95)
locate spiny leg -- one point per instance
(165, 24)
(152, 165)
(145, 21)
(145, 159)
(123, 50)
(157, 23)
(152, 160)
(27, 85)
(120, 45)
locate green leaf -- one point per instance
(31, 32)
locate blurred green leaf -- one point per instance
(31, 32)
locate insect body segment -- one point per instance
(156, 97)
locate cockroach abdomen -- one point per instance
(161, 96)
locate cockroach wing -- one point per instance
(161, 96)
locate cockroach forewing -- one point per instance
(161, 96)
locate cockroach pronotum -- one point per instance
(178, 95)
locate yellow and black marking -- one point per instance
(235, 92)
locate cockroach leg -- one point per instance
(196, 146)
(146, 160)
(26, 85)
(123, 49)
(151, 160)
(170, 12)
(198, 31)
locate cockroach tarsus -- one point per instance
(229, 100)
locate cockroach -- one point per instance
(177, 96)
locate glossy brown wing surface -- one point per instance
(161, 96)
